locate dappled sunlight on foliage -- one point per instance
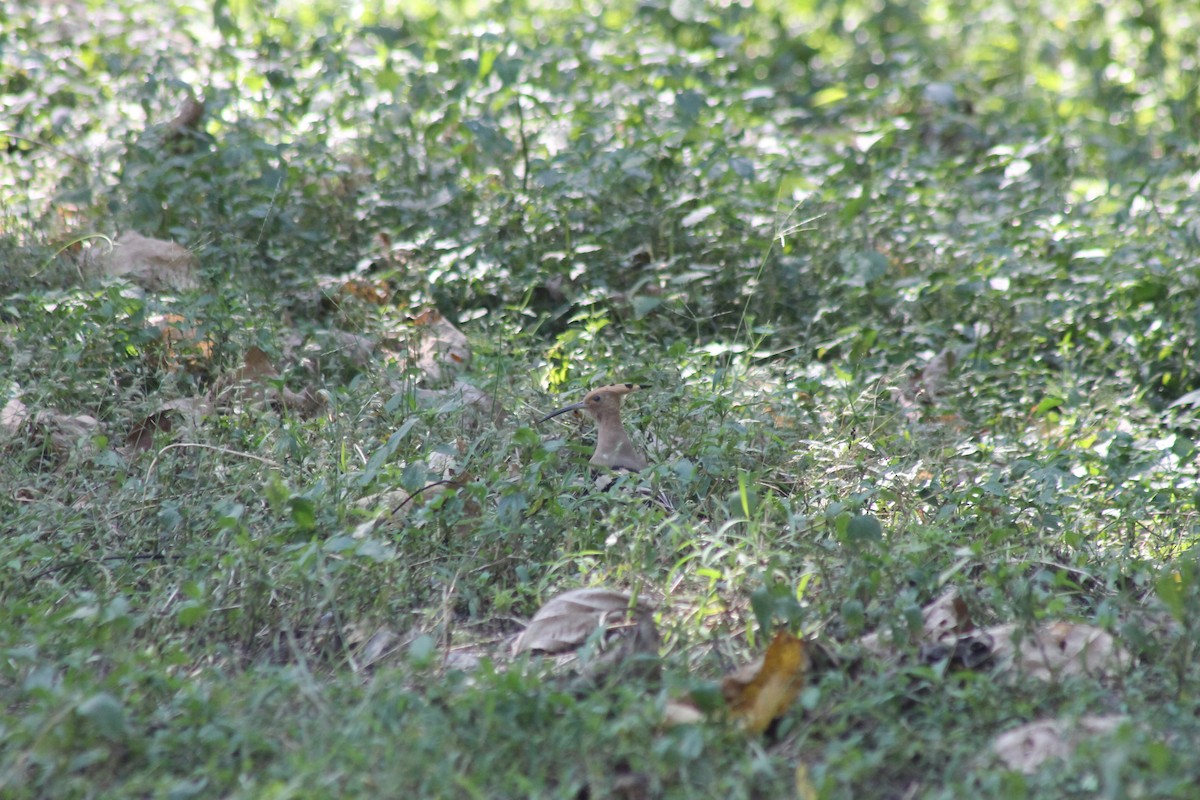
(909, 292)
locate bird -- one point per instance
(613, 448)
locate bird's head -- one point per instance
(602, 403)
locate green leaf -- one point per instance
(376, 551)
(763, 606)
(384, 454)
(643, 305)
(688, 105)
(422, 651)
(707, 696)
(742, 167)
(340, 544)
(829, 96)
(190, 614)
(304, 513)
(106, 713)
(1172, 588)
(1047, 404)
(276, 491)
(414, 477)
(864, 528)
(854, 616)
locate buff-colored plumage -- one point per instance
(613, 448)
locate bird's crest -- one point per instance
(621, 389)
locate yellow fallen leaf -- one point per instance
(765, 688)
(804, 787)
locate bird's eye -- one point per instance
(596, 399)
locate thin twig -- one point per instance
(45, 146)
(409, 499)
(214, 448)
(76, 562)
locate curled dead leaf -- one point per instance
(566, 622)
(764, 689)
(154, 264)
(13, 416)
(1056, 650)
(1027, 747)
(60, 433)
(441, 349)
(189, 409)
(253, 381)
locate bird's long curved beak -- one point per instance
(563, 410)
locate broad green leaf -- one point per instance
(107, 714)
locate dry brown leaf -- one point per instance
(374, 292)
(1027, 747)
(13, 416)
(681, 712)
(153, 264)
(442, 350)
(568, 620)
(253, 380)
(64, 431)
(256, 367)
(944, 620)
(179, 342)
(765, 688)
(141, 434)
(190, 113)
(1057, 650)
(359, 349)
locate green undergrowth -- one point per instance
(777, 218)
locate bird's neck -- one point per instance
(613, 448)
